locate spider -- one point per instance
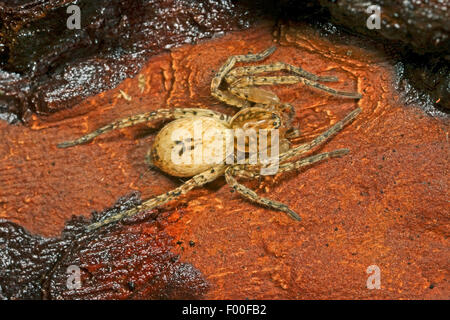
(260, 109)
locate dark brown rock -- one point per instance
(46, 67)
(417, 30)
(422, 25)
(135, 262)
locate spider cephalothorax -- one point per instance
(204, 144)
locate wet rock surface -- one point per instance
(422, 25)
(46, 67)
(134, 262)
(384, 204)
(418, 31)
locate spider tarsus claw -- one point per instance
(342, 152)
(269, 51)
(65, 144)
(293, 214)
(355, 112)
(352, 95)
(93, 226)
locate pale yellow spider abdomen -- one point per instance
(189, 146)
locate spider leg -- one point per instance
(314, 84)
(254, 94)
(196, 181)
(230, 99)
(251, 81)
(292, 133)
(303, 148)
(289, 166)
(277, 66)
(226, 67)
(243, 171)
(253, 196)
(248, 171)
(145, 117)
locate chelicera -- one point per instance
(260, 110)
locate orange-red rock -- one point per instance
(384, 204)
